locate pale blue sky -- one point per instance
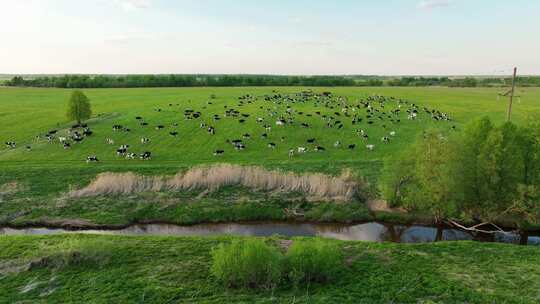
(386, 37)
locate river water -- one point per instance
(372, 231)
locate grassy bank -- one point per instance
(105, 269)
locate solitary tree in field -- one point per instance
(78, 107)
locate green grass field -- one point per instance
(115, 269)
(26, 113)
(44, 173)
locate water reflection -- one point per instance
(372, 231)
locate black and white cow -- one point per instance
(92, 158)
(146, 155)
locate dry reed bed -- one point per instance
(315, 185)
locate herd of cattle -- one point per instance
(280, 110)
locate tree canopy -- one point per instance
(79, 108)
(485, 173)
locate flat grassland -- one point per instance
(116, 269)
(31, 181)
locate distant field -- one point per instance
(26, 113)
(48, 169)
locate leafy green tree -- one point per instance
(422, 179)
(486, 174)
(79, 108)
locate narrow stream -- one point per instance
(372, 231)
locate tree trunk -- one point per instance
(523, 237)
(439, 235)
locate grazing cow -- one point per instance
(241, 120)
(311, 140)
(88, 132)
(385, 139)
(260, 119)
(267, 128)
(10, 144)
(393, 133)
(239, 146)
(117, 127)
(211, 130)
(28, 148)
(77, 139)
(337, 144)
(146, 155)
(143, 124)
(271, 145)
(92, 158)
(159, 127)
(66, 145)
(280, 122)
(131, 155)
(109, 141)
(121, 151)
(218, 152)
(145, 140)
(264, 135)
(202, 125)
(52, 132)
(246, 136)
(302, 149)
(174, 134)
(62, 139)
(370, 147)
(291, 152)
(352, 146)
(319, 148)
(138, 118)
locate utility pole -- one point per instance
(511, 94)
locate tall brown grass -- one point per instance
(315, 185)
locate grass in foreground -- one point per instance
(177, 270)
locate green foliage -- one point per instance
(313, 261)
(487, 172)
(79, 108)
(421, 180)
(138, 81)
(249, 264)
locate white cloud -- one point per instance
(431, 4)
(132, 5)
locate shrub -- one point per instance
(249, 264)
(313, 261)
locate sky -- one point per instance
(298, 37)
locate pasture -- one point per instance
(46, 170)
(27, 113)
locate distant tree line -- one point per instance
(140, 81)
